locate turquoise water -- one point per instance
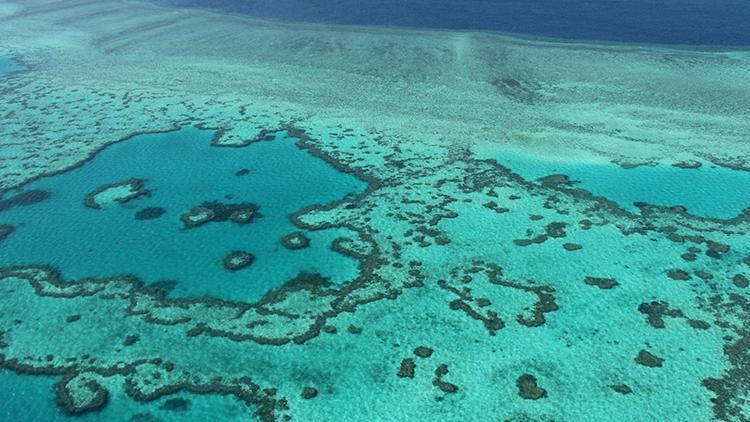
(707, 191)
(182, 170)
(27, 398)
(8, 65)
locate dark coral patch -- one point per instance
(163, 286)
(698, 324)
(716, 249)
(740, 281)
(555, 181)
(492, 322)
(656, 311)
(688, 256)
(680, 275)
(406, 370)
(444, 386)
(528, 388)
(176, 405)
(150, 213)
(526, 242)
(296, 240)
(570, 247)
(703, 275)
(215, 211)
(309, 393)
(131, 340)
(238, 260)
(602, 283)
(5, 231)
(492, 205)
(732, 387)
(423, 352)
(24, 198)
(688, 164)
(622, 388)
(648, 359)
(556, 229)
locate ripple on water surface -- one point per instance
(698, 22)
(121, 212)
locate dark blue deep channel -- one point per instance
(686, 22)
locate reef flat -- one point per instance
(476, 288)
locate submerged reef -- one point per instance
(528, 388)
(488, 296)
(238, 260)
(117, 192)
(296, 240)
(476, 290)
(150, 213)
(24, 198)
(215, 211)
(5, 231)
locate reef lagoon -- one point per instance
(271, 212)
(700, 188)
(248, 194)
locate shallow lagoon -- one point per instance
(708, 191)
(182, 170)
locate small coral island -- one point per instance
(121, 192)
(296, 240)
(238, 260)
(206, 212)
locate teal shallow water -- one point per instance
(8, 65)
(182, 170)
(708, 191)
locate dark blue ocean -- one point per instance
(686, 22)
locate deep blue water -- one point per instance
(690, 22)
